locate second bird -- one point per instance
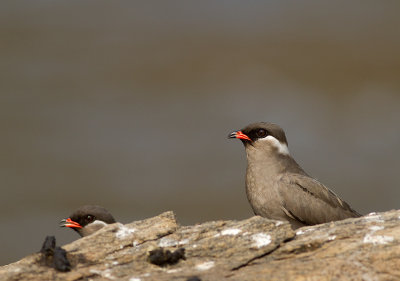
(278, 188)
(88, 219)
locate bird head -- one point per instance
(263, 136)
(88, 219)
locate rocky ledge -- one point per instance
(366, 248)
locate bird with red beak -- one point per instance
(88, 219)
(278, 188)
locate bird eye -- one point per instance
(89, 218)
(261, 133)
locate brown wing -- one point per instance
(310, 202)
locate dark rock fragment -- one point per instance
(55, 256)
(193, 278)
(48, 246)
(60, 261)
(163, 257)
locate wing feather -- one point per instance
(310, 202)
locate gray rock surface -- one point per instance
(366, 248)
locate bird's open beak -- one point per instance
(238, 135)
(69, 223)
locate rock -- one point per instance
(54, 256)
(163, 257)
(366, 248)
(48, 246)
(60, 260)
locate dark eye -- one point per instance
(89, 218)
(261, 133)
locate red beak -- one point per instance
(239, 135)
(69, 223)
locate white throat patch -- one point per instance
(91, 227)
(97, 223)
(282, 147)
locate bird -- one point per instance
(278, 188)
(88, 219)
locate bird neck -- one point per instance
(268, 162)
(91, 227)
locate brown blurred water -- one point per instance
(128, 105)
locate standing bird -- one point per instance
(278, 188)
(88, 219)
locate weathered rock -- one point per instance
(366, 248)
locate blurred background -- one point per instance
(128, 105)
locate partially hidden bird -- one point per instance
(88, 219)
